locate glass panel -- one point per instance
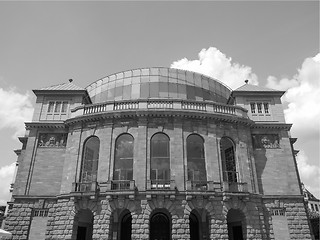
(64, 107)
(127, 92)
(173, 90)
(154, 79)
(173, 73)
(144, 90)
(164, 79)
(119, 82)
(90, 160)
(104, 96)
(154, 71)
(191, 92)
(197, 80)
(136, 72)
(119, 75)
(199, 94)
(145, 71)
(123, 158)
(145, 79)
(127, 74)
(135, 80)
(190, 78)
(172, 80)
(118, 93)
(57, 108)
(135, 91)
(164, 89)
(205, 83)
(164, 72)
(154, 90)
(182, 91)
(196, 159)
(50, 107)
(112, 78)
(160, 145)
(181, 74)
(127, 81)
(111, 94)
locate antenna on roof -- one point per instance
(246, 81)
(70, 80)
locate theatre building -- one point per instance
(157, 153)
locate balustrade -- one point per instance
(175, 104)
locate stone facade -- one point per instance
(209, 163)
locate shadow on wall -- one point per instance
(261, 161)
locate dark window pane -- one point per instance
(182, 91)
(123, 158)
(127, 92)
(57, 108)
(144, 90)
(173, 90)
(163, 89)
(154, 89)
(191, 92)
(51, 106)
(160, 161)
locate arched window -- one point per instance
(160, 157)
(123, 158)
(230, 173)
(159, 226)
(90, 158)
(196, 161)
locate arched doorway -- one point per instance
(236, 224)
(126, 227)
(194, 227)
(159, 227)
(84, 219)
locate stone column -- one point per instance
(140, 222)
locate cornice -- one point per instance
(47, 124)
(153, 113)
(272, 125)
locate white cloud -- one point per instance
(303, 98)
(216, 64)
(15, 109)
(6, 177)
(309, 174)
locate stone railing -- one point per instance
(163, 104)
(235, 187)
(203, 186)
(84, 186)
(161, 185)
(117, 185)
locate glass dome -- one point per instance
(158, 83)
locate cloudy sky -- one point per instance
(273, 44)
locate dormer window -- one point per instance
(266, 107)
(253, 107)
(57, 107)
(259, 105)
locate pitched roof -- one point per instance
(63, 86)
(254, 88)
(249, 88)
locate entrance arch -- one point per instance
(236, 224)
(159, 227)
(126, 226)
(84, 219)
(194, 226)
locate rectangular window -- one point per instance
(253, 107)
(259, 106)
(57, 107)
(278, 212)
(317, 209)
(312, 208)
(266, 107)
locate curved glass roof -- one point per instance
(157, 83)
